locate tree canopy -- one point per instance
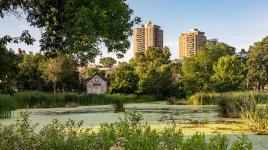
(107, 61)
(78, 26)
(227, 74)
(198, 69)
(257, 64)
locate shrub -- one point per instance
(118, 106)
(257, 119)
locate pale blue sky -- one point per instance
(236, 22)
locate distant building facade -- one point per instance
(190, 43)
(148, 35)
(97, 85)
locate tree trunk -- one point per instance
(55, 86)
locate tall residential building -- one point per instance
(148, 35)
(190, 42)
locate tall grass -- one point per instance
(7, 104)
(35, 99)
(233, 105)
(128, 134)
(257, 119)
(214, 98)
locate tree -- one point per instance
(56, 69)
(52, 70)
(78, 27)
(257, 64)
(154, 71)
(8, 70)
(107, 62)
(29, 77)
(227, 74)
(123, 79)
(198, 69)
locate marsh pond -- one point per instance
(189, 118)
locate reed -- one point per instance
(7, 105)
(257, 119)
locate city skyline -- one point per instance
(237, 23)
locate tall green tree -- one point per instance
(154, 71)
(257, 64)
(78, 26)
(29, 77)
(8, 70)
(198, 69)
(107, 61)
(123, 79)
(227, 74)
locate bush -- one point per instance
(129, 133)
(257, 119)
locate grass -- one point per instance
(35, 99)
(7, 104)
(129, 133)
(214, 98)
(257, 119)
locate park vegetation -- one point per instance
(128, 133)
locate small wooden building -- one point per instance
(97, 85)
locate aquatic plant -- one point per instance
(214, 98)
(257, 119)
(233, 105)
(123, 134)
(118, 106)
(7, 104)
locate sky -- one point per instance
(238, 23)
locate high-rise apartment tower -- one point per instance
(190, 43)
(148, 35)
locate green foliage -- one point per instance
(107, 61)
(242, 144)
(257, 64)
(205, 98)
(233, 105)
(198, 69)
(257, 119)
(7, 104)
(128, 133)
(118, 106)
(78, 26)
(29, 74)
(35, 99)
(93, 71)
(214, 98)
(8, 70)
(227, 74)
(62, 67)
(155, 73)
(123, 79)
